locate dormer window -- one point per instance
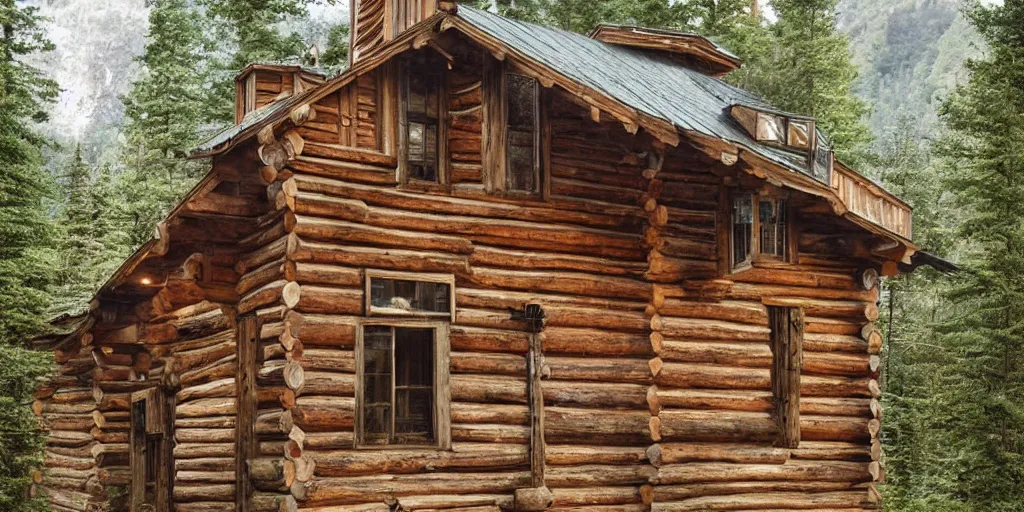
(770, 128)
(799, 134)
(760, 229)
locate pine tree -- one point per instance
(165, 111)
(335, 57)
(984, 153)
(251, 29)
(25, 245)
(808, 70)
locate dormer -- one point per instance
(794, 134)
(259, 85)
(691, 50)
(375, 22)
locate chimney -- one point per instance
(375, 22)
(259, 85)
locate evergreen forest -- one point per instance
(924, 96)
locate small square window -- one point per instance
(770, 128)
(799, 134)
(760, 229)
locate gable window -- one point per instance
(787, 328)
(799, 134)
(522, 166)
(760, 229)
(403, 378)
(422, 114)
(770, 128)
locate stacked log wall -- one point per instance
(586, 266)
(717, 449)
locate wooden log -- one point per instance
(323, 414)
(792, 471)
(463, 456)
(852, 500)
(676, 453)
(350, 490)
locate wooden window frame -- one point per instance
(495, 132)
(443, 160)
(755, 256)
(448, 279)
(812, 133)
(442, 387)
(158, 409)
(786, 344)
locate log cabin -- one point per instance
(491, 266)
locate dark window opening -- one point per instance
(398, 386)
(522, 135)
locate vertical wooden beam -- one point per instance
(137, 455)
(534, 365)
(544, 118)
(443, 123)
(245, 423)
(387, 109)
(787, 333)
(493, 137)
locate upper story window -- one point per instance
(792, 133)
(760, 229)
(422, 113)
(522, 162)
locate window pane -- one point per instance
(414, 378)
(417, 93)
(522, 133)
(522, 158)
(417, 152)
(522, 101)
(799, 134)
(399, 296)
(823, 161)
(376, 384)
(769, 128)
(414, 357)
(772, 215)
(742, 228)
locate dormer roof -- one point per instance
(690, 49)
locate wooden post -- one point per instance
(787, 335)
(534, 365)
(245, 386)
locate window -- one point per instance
(403, 378)
(398, 294)
(522, 157)
(799, 134)
(742, 228)
(422, 112)
(770, 128)
(760, 229)
(150, 456)
(773, 232)
(787, 333)
(822, 165)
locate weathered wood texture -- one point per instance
(656, 366)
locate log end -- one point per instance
(533, 499)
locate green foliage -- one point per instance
(25, 244)
(165, 110)
(21, 440)
(335, 58)
(807, 69)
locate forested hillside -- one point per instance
(90, 168)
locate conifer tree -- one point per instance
(808, 71)
(335, 57)
(26, 255)
(165, 111)
(250, 27)
(984, 153)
